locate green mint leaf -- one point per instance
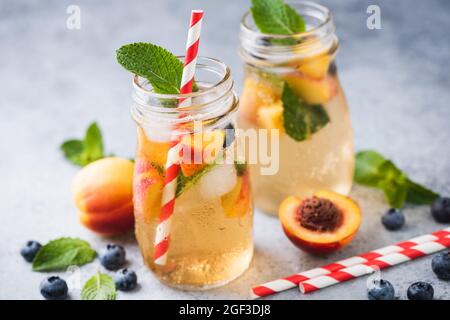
(184, 183)
(83, 152)
(420, 195)
(160, 67)
(99, 287)
(240, 167)
(301, 120)
(73, 150)
(62, 253)
(374, 170)
(93, 143)
(276, 17)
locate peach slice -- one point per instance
(310, 90)
(199, 149)
(316, 67)
(256, 93)
(147, 190)
(271, 116)
(153, 151)
(323, 223)
(236, 203)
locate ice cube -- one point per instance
(219, 181)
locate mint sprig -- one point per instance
(62, 253)
(276, 17)
(99, 287)
(374, 170)
(160, 67)
(87, 150)
(301, 120)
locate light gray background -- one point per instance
(54, 82)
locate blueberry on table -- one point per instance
(420, 291)
(381, 290)
(441, 265)
(112, 257)
(229, 136)
(393, 219)
(440, 209)
(125, 279)
(28, 252)
(54, 288)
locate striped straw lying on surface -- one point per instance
(374, 265)
(294, 280)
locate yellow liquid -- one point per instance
(211, 241)
(325, 161)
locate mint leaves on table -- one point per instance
(301, 120)
(99, 287)
(83, 152)
(62, 253)
(276, 17)
(373, 170)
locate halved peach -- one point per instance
(199, 149)
(323, 223)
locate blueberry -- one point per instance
(126, 280)
(440, 209)
(229, 136)
(382, 290)
(112, 257)
(30, 249)
(393, 219)
(441, 265)
(54, 288)
(420, 291)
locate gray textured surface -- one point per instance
(54, 81)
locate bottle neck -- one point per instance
(261, 49)
(212, 106)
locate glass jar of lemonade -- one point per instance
(211, 227)
(291, 85)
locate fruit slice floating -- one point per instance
(271, 116)
(320, 224)
(147, 189)
(200, 149)
(310, 90)
(316, 67)
(257, 93)
(155, 152)
(236, 203)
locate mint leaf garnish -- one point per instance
(83, 152)
(99, 287)
(62, 253)
(160, 67)
(184, 183)
(374, 170)
(276, 17)
(301, 120)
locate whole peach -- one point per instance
(103, 193)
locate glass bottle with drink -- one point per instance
(291, 85)
(211, 229)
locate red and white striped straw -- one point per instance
(294, 280)
(374, 265)
(162, 236)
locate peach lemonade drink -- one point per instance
(211, 230)
(291, 85)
